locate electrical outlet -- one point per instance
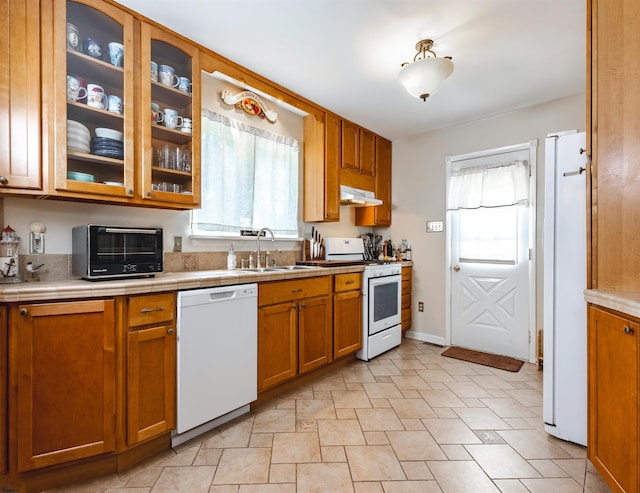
(177, 243)
(420, 306)
(434, 226)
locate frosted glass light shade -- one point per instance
(424, 77)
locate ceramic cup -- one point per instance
(96, 98)
(75, 91)
(156, 114)
(167, 76)
(184, 84)
(92, 48)
(73, 38)
(114, 104)
(172, 119)
(154, 71)
(187, 126)
(116, 54)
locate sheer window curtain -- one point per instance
(496, 185)
(249, 179)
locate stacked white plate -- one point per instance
(78, 137)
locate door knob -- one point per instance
(456, 268)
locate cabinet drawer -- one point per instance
(406, 319)
(151, 309)
(347, 282)
(296, 289)
(406, 288)
(406, 273)
(406, 301)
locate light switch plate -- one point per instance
(177, 243)
(434, 226)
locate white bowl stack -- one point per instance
(78, 137)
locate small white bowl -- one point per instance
(109, 133)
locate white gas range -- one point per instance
(381, 295)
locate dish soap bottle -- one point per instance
(231, 258)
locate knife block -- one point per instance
(308, 255)
(306, 250)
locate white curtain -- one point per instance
(494, 185)
(249, 179)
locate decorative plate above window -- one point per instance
(250, 102)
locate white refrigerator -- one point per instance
(564, 308)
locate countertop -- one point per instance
(628, 303)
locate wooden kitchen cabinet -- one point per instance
(20, 102)
(105, 177)
(151, 366)
(314, 333)
(322, 157)
(613, 237)
(62, 381)
(614, 145)
(406, 298)
(350, 159)
(379, 215)
(294, 328)
(357, 166)
(613, 397)
(347, 314)
(169, 158)
(137, 177)
(367, 152)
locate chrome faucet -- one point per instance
(259, 266)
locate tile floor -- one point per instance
(408, 421)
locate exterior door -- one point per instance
(490, 272)
(490, 280)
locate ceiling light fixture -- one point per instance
(424, 76)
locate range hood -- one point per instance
(357, 197)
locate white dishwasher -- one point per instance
(217, 357)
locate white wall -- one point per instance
(418, 194)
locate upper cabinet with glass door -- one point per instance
(92, 88)
(170, 119)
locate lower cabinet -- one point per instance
(347, 314)
(151, 366)
(406, 298)
(91, 387)
(63, 382)
(294, 328)
(613, 397)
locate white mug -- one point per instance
(75, 91)
(187, 126)
(167, 76)
(184, 84)
(172, 119)
(96, 98)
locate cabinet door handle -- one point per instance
(628, 330)
(296, 290)
(148, 310)
(4, 180)
(303, 305)
(23, 311)
(170, 331)
(349, 282)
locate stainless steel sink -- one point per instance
(278, 268)
(295, 267)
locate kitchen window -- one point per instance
(249, 179)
